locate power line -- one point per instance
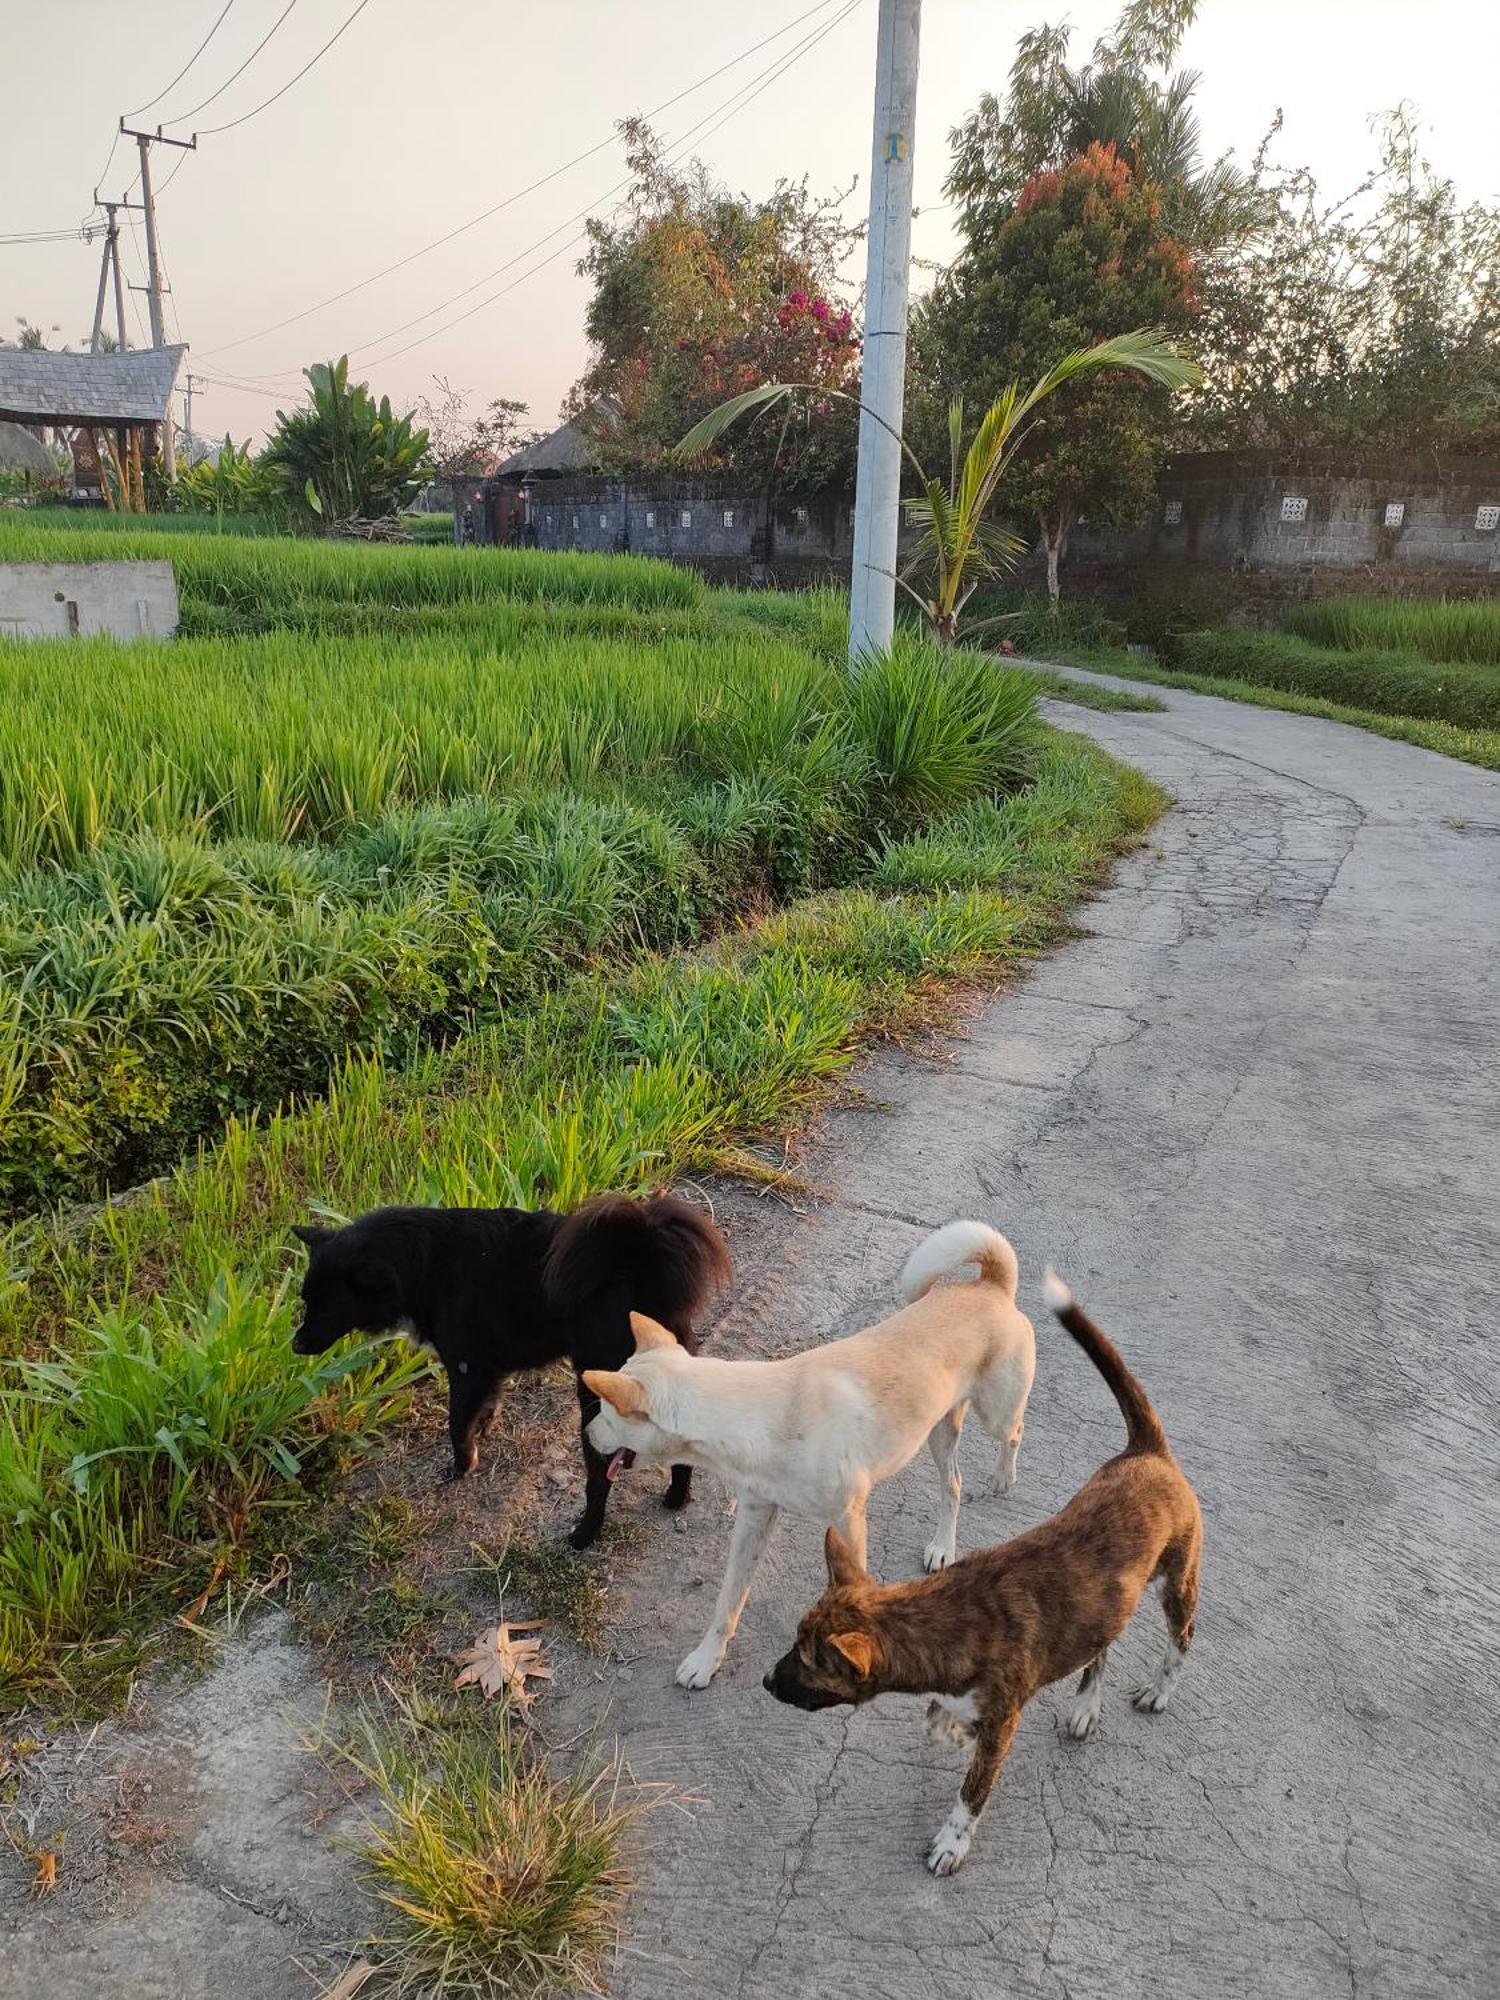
(181, 73)
(748, 96)
(183, 117)
(531, 188)
(349, 23)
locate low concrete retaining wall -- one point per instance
(129, 600)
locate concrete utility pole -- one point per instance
(877, 487)
(187, 394)
(104, 263)
(154, 289)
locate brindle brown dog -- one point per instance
(986, 1634)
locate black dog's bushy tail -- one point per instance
(662, 1257)
(1143, 1430)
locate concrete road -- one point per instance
(1254, 1117)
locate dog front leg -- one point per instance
(585, 1531)
(942, 1442)
(992, 1740)
(851, 1525)
(753, 1523)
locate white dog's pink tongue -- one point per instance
(618, 1463)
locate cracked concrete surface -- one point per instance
(1254, 1117)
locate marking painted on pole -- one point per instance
(895, 147)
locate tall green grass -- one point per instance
(233, 862)
(124, 1448)
(284, 738)
(276, 579)
(1441, 629)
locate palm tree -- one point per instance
(961, 547)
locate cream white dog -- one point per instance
(813, 1433)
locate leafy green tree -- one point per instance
(1126, 97)
(1371, 318)
(698, 293)
(1082, 257)
(344, 457)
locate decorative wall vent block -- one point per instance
(1171, 514)
(1487, 517)
(650, 517)
(1395, 513)
(801, 517)
(1293, 509)
(685, 518)
(604, 520)
(728, 517)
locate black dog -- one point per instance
(494, 1290)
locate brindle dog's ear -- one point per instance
(843, 1564)
(650, 1333)
(311, 1233)
(622, 1392)
(858, 1648)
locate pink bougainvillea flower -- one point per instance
(796, 300)
(820, 308)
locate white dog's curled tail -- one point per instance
(949, 1249)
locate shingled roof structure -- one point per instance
(130, 388)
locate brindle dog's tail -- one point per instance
(661, 1257)
(1143, 1429)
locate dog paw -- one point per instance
(583, 1535)
(456, 1472)
(947, 1853)
(1151, 1698)
(939, 1555)
(699, 1668)
(675, 1499)
(1083, 1720)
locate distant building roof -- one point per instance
(21, 452)
(567, 449)
(130, 388)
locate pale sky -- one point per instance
(427, 112)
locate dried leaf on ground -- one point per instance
(500, 1663)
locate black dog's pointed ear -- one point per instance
(311, 1233)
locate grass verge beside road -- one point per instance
(1469, 746)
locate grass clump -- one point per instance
(500, 1876)
(1440, 629)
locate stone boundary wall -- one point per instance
(1256, 529)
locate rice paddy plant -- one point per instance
(1438, 629)
(269, 577)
